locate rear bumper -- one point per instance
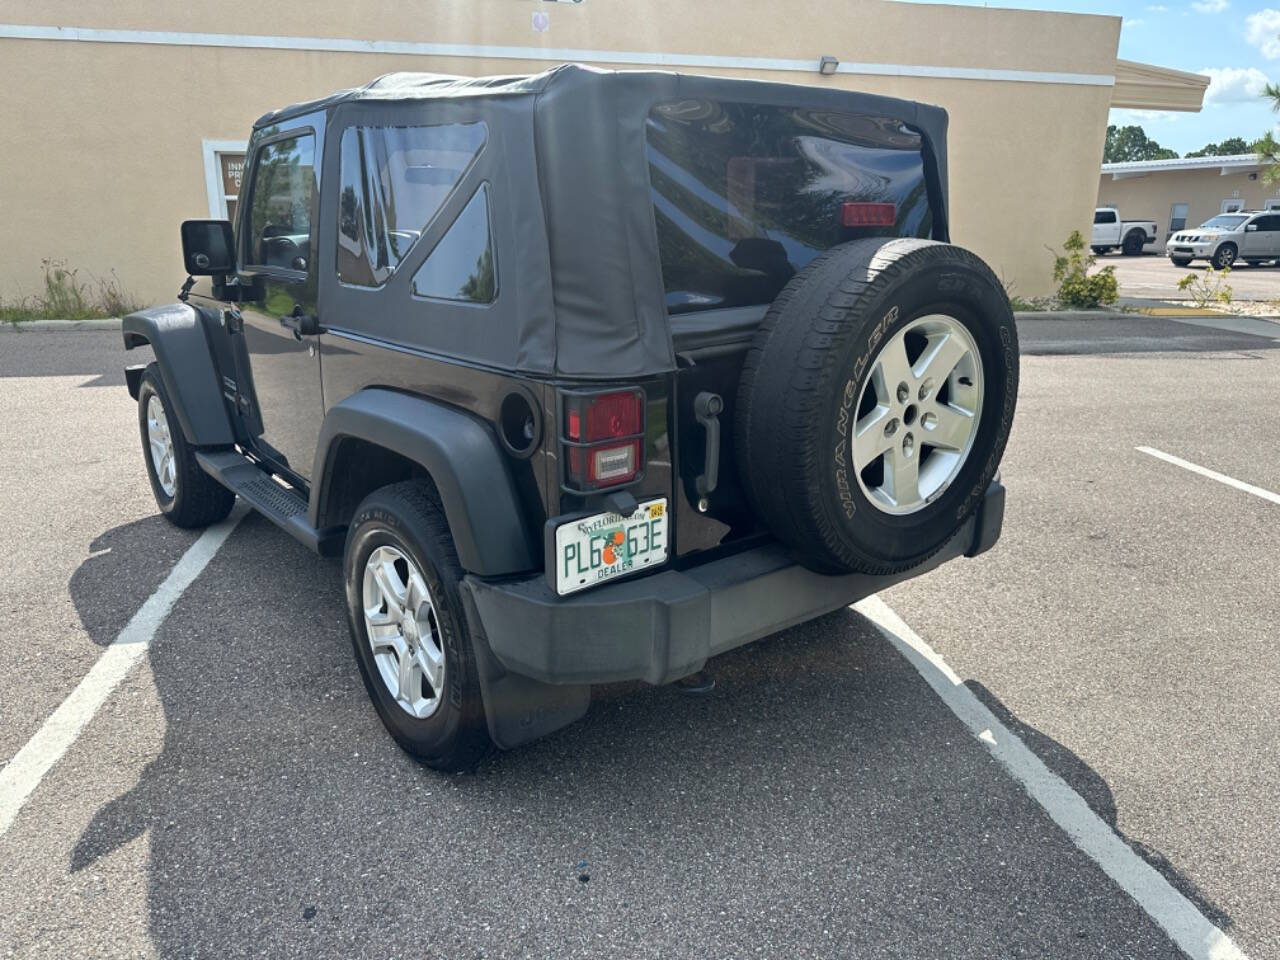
(665, 626)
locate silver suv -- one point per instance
(1228, 238)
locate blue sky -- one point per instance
(1238, 41)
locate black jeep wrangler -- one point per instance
(589, 376)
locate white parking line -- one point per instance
(1211, 474)
(1186, 925)
(24, 772)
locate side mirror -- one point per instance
(208, 247)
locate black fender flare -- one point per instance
(177, 337)
(462, 455)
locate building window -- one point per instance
(1232, 206)
(223, 173)
(1272, 203)
(1177, 217)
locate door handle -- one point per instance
(302, 324)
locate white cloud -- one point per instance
(1210, 6)
(1233, 84)
(1123, 117)
(1157, 8)
(1263, 32)
(1134, 22)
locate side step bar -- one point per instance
(282, 505)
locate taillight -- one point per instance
(868, 214)
(603, 438)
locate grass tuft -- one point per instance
(67, 297)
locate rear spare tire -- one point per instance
(875, 403)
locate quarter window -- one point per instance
(281, 204)
(461, 266)
(393, 181)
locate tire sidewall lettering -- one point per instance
(845, 411)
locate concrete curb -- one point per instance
(62, 326)
(1067, 314)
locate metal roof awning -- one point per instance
(1143, 86)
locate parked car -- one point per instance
(588, 376)
(1131, 236)
(1229, 239)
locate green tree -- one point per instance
(1268, 149)
(1127, 144)
(1232, 146)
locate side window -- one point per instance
(1268, 223)
(1104, 216)
(281, 201)
(461, 266)
(392, 182)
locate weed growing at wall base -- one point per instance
(1077, 288)
(67, 297)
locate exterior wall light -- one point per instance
(827, 66)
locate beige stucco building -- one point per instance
(122, 119)
(1185, 193)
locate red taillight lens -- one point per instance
(868, 214)
(592, 424)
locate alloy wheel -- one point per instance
(160, 442)
(403, 630)
(918, 414)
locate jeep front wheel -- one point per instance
(409, 630)
(185, 494)
(875, 403)
(1224, 256)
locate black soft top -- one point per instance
(590, 224)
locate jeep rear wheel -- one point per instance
(408, 628)
(185, 494)
(876, 401)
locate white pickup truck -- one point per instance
(1131, 236)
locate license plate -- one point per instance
(594, 549)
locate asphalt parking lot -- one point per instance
(1155, 277)
(235, 794)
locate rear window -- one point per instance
(745, 195)
(1104, 216)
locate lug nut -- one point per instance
(891, 427)
(926, 388)
(908, 445)
(903, 392)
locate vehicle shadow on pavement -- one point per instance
(124, 567)
(1085, 781)
(822, 802)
